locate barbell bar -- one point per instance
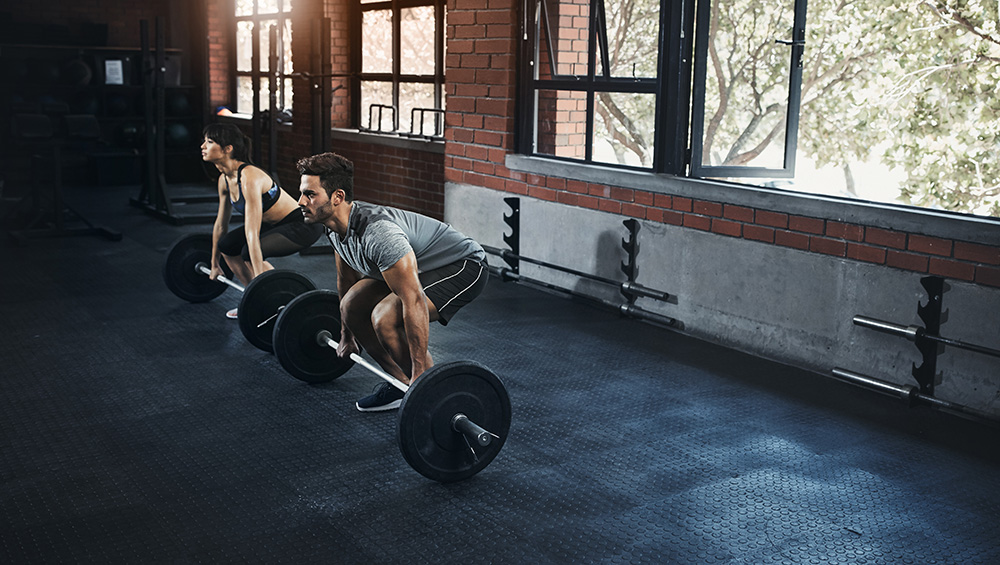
(454, 418)
(187, 274)
(459, 422)
(203, 268)
(626, 287)
(917, 334)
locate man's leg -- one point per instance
(357, 312)
(387, 322)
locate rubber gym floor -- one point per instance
(137, 428)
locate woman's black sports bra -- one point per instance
(267, 199)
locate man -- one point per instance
(397, 271)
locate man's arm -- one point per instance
(403, 282)
(346, 278)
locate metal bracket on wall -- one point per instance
(513, 240)
(631, 247)
(930, 313)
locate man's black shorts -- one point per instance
(455, 285)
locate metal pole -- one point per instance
(625, 287)
(916, 333)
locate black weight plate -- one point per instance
(294, 337)
(426, 437)
(262, 299)
(179, 269)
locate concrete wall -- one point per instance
(781, 303)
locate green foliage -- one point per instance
(917, 76)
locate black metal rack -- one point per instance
(630, 289)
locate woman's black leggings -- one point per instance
(287, 236)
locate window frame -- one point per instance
(677, 89)
(796, 50)
(670, 86)
(281, 17)
(360, 115)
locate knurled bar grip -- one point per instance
(915, 333)
(325, 338)
(203, 268)
(459, 422)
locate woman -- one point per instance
(273, 224)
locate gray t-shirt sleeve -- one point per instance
(385, 244)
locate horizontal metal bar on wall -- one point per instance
(626, 287)
(911, 394)
(625, 309)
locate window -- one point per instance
(401, 67)
(748, 77)
(594, 87)
(254, 21)
(881, 101)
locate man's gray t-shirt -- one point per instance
(379, 236)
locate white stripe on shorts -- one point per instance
(464, 265)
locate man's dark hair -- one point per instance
(334, 172)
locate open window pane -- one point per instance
(747, 80)
(376, 106)
(746, 101)
(561, 123)
(376, 41)
(565, 27)
(417, 32)
(624, 126)
(632, 37)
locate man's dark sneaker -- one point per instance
(383, 397)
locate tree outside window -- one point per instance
(897, 98)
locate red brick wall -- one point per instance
(480, 79)
(339, 12)
(218, 54)
(399, 177)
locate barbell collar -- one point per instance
(203, 268)
(325, 339)
(639, 290)
(462, 424)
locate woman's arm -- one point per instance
(221, 225)
(255, 184)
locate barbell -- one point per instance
(186, 273)
(453, 419)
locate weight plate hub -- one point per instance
(294, 337)
(426, 437)
(179, 269)
(262, 299)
